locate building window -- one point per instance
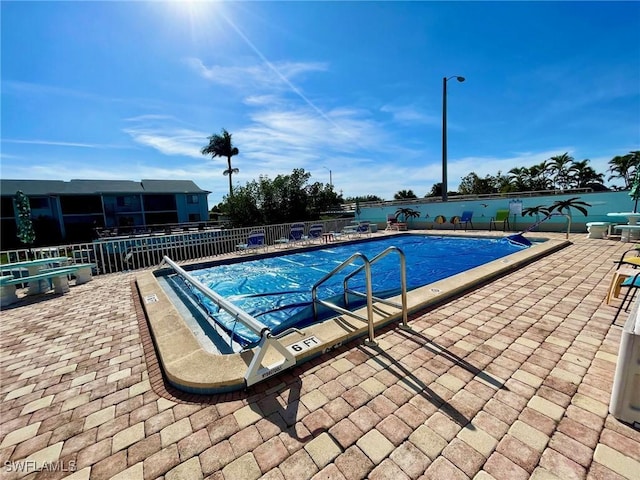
(124, 201)
(194, 217)
(193, 199)
(81, 204)
(39, 203)
(158, 203)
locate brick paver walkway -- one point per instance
(510, 381)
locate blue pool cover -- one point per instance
(277, 290)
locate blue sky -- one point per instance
(132, 90)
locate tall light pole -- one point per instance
(444, 133)
(330, 179)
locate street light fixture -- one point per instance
(330, 179)
(444, 133)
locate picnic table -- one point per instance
(42, 274)
(33, 268)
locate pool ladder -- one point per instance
(368, 295)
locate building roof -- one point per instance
(89, 187)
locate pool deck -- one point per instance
(509, 381)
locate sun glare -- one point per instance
(201, 17)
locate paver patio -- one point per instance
(509, 381)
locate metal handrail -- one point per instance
(256, 371)
(369, 294)
(403, 282)
(250, 322)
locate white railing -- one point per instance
(118, 254)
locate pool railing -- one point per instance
(368, 295)
(403, 283)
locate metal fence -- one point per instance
(118, 254)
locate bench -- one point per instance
(628, 232)
(82, 271)
(58, 277)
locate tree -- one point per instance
(582, 175)
(364, 198)
(472, 184)
(624, 167)
(502, 183)
(26, 234)
(436, 191)
(538, 177)
(559, 166)
(221, 146)
(403, 194)
(519, 178)
(286, 198)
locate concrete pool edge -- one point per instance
(188, 367)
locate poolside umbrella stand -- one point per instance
(635, 190)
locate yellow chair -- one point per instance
(633, 260)
(502, 216)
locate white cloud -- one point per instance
(410, 114)
(267, 77)
(53, 143)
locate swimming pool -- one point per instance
(192, 362)
(276, 290)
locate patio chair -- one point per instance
(465, 218)
(255, 241)
(633, 260)
(394, 225)
(392, 222)
(296, 234)
(501, 217)
(363, 228)
(315, 232)
(632, 284)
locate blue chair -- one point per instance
(255, 241)
(363, 228)
(315, 232)
(465, 218)
(296, 235)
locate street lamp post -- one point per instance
(444, 133)
(330, 179)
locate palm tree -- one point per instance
(560, 165)
(583, 175)
(221, 146)
(539, 179)
(402, 194)
(519, 176)
(624, 167)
